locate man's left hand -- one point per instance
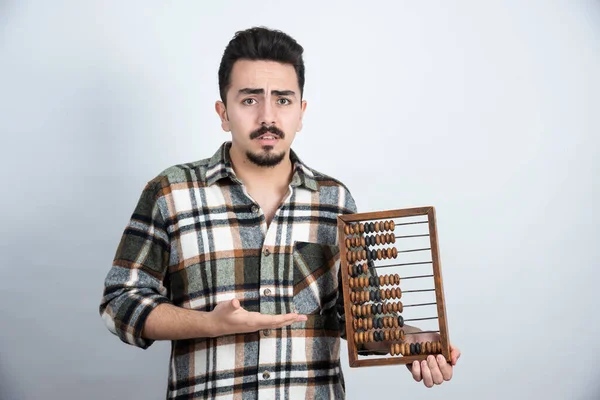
(435, 370)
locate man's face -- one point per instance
(264, 110)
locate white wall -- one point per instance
(487, 110)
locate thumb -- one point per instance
(235, 303)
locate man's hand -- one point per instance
(230, 318)
(435, 370)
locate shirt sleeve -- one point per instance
(134, 284)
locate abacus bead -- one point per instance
(374, 308)
(346, 231)
(385, 322)
(377, 239)
(390, 252)
(400, 321)
(364, 254)
(348, 242)
(397, 279)
(400, 307)
(386, 335)
(349, 256)
(380, 323)
(372, 281)
(428, 347)
(377, 226)
(370, 324)
(378, 295)
(353, 309)
(360, 323)
(361, 228)
(371, 337)
(418, 348)
(373, 254)
(356, 337)
(364, 267)
(379, 309)
(355, 324)
(398, 334)
(392, 238)
(388, 294)
(380, 280)
(392, 225)
(363, 241)
(352, 296)
(371, 295)
(354, 256)
(402, 334)
(361, 337)
(371, 264)
(397, 348)
(395, 322)
(386, 225)
(394, 252)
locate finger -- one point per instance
(434, 367)
(445, 368)
(276, 321)
(454, 354)
(235, 304)
(416, 371)
(426, 373)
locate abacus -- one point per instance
(381, 306)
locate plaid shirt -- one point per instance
(196, 238)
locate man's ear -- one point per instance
(222, 112)
(301, 116)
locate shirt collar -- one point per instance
(220, 167)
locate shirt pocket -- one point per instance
(315, 269)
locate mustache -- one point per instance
(267, 129)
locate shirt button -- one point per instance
(266, 375)
(254, 209)
(267, 332)
(266, 252)
(267, 292)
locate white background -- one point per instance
(488, 111)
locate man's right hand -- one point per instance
(230, 318)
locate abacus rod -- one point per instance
(418, 333)
(410, 236)
(419, 319)
(419, 290)
(402, 265)
(415, 277)
(419, 304)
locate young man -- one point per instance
(233, 258)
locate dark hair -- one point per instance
(260, 43)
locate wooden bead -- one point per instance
(360, 323)
(361, 337)
(390, 252)
(370, 323)
(397, 279)
(356, 337)
(346, 231)
(365, 268)
(364, 255)
(394, 252)
(385, 322)
(392, 238)
(379, 254)
(400, 307)
(382, 294)
(363, 241)
(392, 225)
(380, 280)
(386, 225)
(377, 226)
(402, 335)
(371, 336)
(387, 280)
(388, 294)
(361, 228)
(355, 324)
(395, 322)
(397, 348)
(349, 256)
(377, 240)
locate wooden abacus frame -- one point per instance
(343, 221)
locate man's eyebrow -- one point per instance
(261, 91)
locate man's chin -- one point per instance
(266, 158)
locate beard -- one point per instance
(267, 157)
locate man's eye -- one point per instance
(283, 101)
(248, 102)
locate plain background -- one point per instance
(488, 111)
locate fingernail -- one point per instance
(440, 358)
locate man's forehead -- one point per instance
(263, 75)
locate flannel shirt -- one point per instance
(196, 238)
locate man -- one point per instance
(233, 258)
